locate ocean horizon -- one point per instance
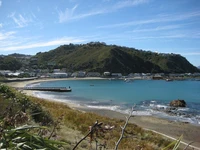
(150, 97)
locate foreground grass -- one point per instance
(69, 125)
(75, 120)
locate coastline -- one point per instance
(162, 126)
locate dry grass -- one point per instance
(76, 121)
(75, 124)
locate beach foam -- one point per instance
(155, 109)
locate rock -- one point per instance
(177, 103)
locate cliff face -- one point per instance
(101, 57)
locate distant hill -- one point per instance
(96, 56)
(14, 61)
(20, 56)
(198, 67)
(9, 63)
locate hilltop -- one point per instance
(96, 56)
(99, 57)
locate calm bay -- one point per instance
(151, 97)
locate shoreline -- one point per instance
(170, 129)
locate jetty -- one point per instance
(52, 89)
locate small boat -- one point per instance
(168, 80)
(127, 80)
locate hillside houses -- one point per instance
(62, 73)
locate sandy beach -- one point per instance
(170, 129)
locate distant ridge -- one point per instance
(99, 57)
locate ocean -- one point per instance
(150, 97)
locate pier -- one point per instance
(52, 89)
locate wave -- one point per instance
(145, 108)
(114, 108)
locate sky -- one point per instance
(164, 26)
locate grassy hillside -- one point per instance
(101, 57)
(49, 123)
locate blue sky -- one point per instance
(165, 26)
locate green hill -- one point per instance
(96, 56)
(9, 63)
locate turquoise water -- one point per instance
(148, 95)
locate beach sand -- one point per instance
(170, 129)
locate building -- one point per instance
(118, 75)
(106, 73)
(59, 75)
(79, 74)
(93, 74)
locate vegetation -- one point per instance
(96, 56)
(9, 63)
(31, 122)
(21, 123)
(99, 57)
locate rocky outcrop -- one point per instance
(177, 103)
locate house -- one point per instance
(93, 74)
(79, 74)
(135, 75)
(75, 74)
(15, 74)
(59, 75)
(106, 73)
(157, 77)
(5, 72)
(118, 75)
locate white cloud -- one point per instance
(20, 20)
(1, 25)
(129, 3)
(0, 3)
(69, 14)
(159, 28)
(7, 35)
(158, 18)
(160, 37)
(56, 42)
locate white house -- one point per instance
(93, 74)
(59, 75)
(106, 73)
(116, 75)
(5, 72)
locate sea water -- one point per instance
(150, 97)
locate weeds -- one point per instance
(17, 113)
(23, 118)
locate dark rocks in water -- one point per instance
(177, 103)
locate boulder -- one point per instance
(177, 103)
